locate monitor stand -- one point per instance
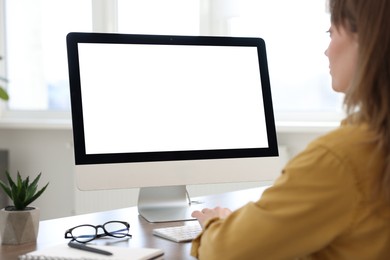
(164, 204)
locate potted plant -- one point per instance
(3, 93)
(3, 96)
(19, 223)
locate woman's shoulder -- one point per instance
(354, 146)
(347, 137)
(348, 149)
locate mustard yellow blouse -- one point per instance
(321, 207)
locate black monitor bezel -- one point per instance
(82, 158)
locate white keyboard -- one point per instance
(179, 233)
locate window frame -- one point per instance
(105, 19)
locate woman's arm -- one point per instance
(311, 203)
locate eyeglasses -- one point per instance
(86, 233)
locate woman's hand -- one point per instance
(207, 214)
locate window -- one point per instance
(177, 17)
(36, 62)
(294, 31)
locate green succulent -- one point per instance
(3, 94)
(22, 192)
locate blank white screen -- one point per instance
(150, 98)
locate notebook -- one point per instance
(64, 252)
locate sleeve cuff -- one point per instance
(196, 242)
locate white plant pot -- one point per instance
(19, 227)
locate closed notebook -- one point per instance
(64, 252)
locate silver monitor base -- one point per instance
(164, 204)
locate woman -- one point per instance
(332, 201)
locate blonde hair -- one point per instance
(368, 98)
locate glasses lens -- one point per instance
(116, 229)
(84, 233)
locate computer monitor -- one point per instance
(160, 112)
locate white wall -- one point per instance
(35, 148)
(48, 151)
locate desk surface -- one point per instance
(51, 232)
